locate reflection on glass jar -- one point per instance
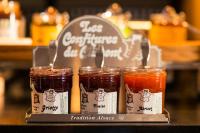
(145, 90)
(99, 90)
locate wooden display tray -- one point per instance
(98, 118)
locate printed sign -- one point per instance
(78, 43)
(80, 40)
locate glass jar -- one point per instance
(12, 22)
(119, 18)
(145, 90)
(99, 90)
(51, 90)
(48, 24)
(168, 26)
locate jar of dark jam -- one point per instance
(51, 90)
(99, 90)
(145, 90)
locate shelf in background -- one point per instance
(177, 55)
(16, 53)
(181, 52)
(16, 49)
(183, 66)
(140, 25)
(15, 42)
(189, 43)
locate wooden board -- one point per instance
(98, 118)
(16, 53)
(19, 49)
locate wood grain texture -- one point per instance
(16, 53)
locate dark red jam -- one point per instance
(100, 87)
(93, 80)
(44, 78)
(51, 90)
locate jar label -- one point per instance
(143, 102)
(98, 101)
(50, 102)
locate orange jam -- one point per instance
(145, 90)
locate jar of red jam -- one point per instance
(99, 90)
(145, 90)
(51, 90)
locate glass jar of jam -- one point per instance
(145, 90)
(48, 24)
(99, 90)
(12, 21)
(51, 90)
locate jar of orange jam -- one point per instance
(145, 90)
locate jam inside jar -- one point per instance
(145, 90)
(50, 90)
(99, 90)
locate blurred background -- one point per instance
(172, 25)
